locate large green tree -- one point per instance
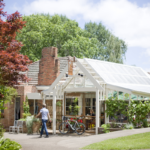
(45, 30)
(110, 47)
(93, 42)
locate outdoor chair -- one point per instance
(12, 128)
(19, 126)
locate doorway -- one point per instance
(17, 108)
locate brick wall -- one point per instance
(48, 66)
(9, 113)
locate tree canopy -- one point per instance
(95, 41)
(11, 61)
(110, 48)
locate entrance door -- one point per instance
(17, 108)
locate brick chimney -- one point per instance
(49, 66)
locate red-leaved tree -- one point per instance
(12, 63)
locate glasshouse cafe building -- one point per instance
(65, 82)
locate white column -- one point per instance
(54, 112)
(106, 118)
(44, 99)
(97, 110)
(63, 107)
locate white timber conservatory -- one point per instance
(92, 81)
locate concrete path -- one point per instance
(67, 142)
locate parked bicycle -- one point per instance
(66, 126)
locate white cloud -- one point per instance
(148, 51)
(125, 19)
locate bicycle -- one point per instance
(77, 127)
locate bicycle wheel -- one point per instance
(64, 128)
(80, 128)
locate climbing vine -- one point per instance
(140, 110)
(136, 111)
(115, 106)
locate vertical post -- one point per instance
(83, 107)
(97, 110)
(54, 111)
(34, 106)
(44, 99)
(106, 118)
(63, 104)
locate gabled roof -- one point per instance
(104, 75)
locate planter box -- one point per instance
(36, 126)
(101, 130)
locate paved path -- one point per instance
(61, 142)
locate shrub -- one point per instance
(25, 115)
(129, 126)
(145, 123)
(7, 144)
(1, 131)
(106, 129)
(29, 123)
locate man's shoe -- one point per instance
(47, 136)
(40, 136)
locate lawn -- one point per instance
(136, 141)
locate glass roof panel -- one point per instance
(119, 73)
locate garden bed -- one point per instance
(101, 130)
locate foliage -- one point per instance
(115, 106)
(110, 48)
(22, 119)
(44, 30)
(26, 108)
(129, 126)
(25, 115)
(58, 103)
(75, 108)
(1, 131)
(145, 123)
(117, 125)
(6, 95)
(106, 128)
(140, 109)
(7, 144)
(11, 61)
(29, 123)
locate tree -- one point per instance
(95, 41)
(45, 30)
(11, 61)
(110, 48)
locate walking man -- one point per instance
(45, 116)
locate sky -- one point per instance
(126, 19)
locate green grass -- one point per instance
(136, 141)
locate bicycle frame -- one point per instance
(76, 122)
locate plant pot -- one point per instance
(36, 126)
(24, 127)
